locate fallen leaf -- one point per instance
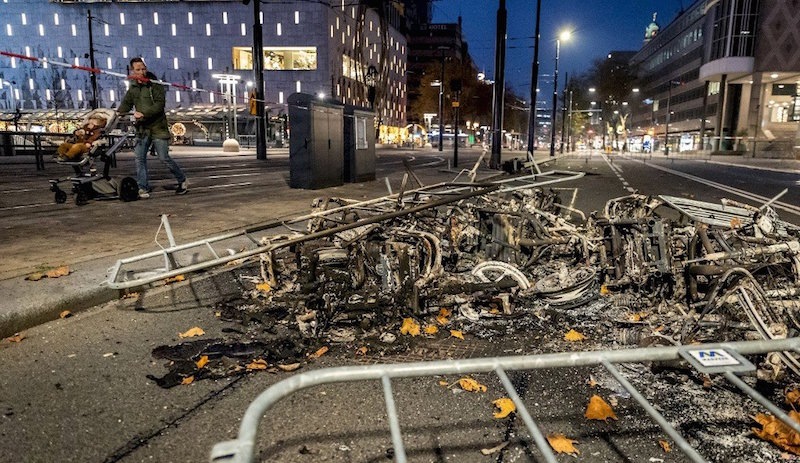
(637, 317)
(563, 444)
(495, 449)
(573, 336)
(35, 276)
(457, 334)
(289, 366)
(264, 287)
(202, 361)
(469, 384)
(599, 409)
(431, 329)
(409, 327)
(792, 397)
(174, 279)
(665, 446)
(592, 382)
(65, 314)
(18, 337)
(604, 291)
(57, 272)
(775, 431)
(258, 364)
(192, 332)
(132, 295)
(505, 407)
(494, 311)
(362, 350)
(443, 383)
(319, 353)
(736, 222)
(187, 380)
(443, 317)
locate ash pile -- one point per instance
(644, 271)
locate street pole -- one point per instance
(499, 85)
(92, 76)
(666, 127)
(564, 113)
(534, 85)
(258, 70)
(441, 103)
(571, 143)
(456, 106)
(555, 102)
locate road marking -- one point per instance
(232, 175)
(729, 189)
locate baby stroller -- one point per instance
(87, 184)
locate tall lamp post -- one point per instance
(562, 36)
(441, 100)
(666, 126)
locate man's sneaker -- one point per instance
(183, 188)
(144, 194)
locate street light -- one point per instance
(565, 35)
(441, 99)
(666, 127)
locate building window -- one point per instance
(108, 63)
(280, 97)
(191, 52)
(41, 30)
(27, 51)
(122, 19)
(112, 95)
(155, 18)
(63, 84)
(74, 30)
(139, 29)
(190, 17)
(175, 63)
(9, 31)
(106, 30)
(278, 28)
(125, 52)
(297, 87)
(55, 19)
(80, 95)
(60, 51)
(297, 17)
(277, 58)
(174, 29)
(210, 63)
(177, 97)
(24, 19)
(158, 52)
(224, 17)
(244, 29)
(211, 98)
(208, 29)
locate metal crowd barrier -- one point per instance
(724, 359)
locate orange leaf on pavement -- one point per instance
(202, 361)
(409, 327)
(65, 314)
(563, 444)
(775, 431)
(35, 276)
(665, 446)
(362, 350)
(457, 334)
(319, 353)
(431, 329)
(174, 279)
(574, 336)
(505, 407)
(469, 384)
(192, 332)
(57, 272)
(18, 337)
(599, 409)
(264, 287)
(289, 366)
(187, 380)
(258, 364)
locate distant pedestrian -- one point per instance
(148, 99)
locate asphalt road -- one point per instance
(77, 389)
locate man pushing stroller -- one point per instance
(148, 99)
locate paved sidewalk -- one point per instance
(127, 229)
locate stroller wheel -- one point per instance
(60, 196)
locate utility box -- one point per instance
(359, 144)
(316, 157)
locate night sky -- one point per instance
(598, 26)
